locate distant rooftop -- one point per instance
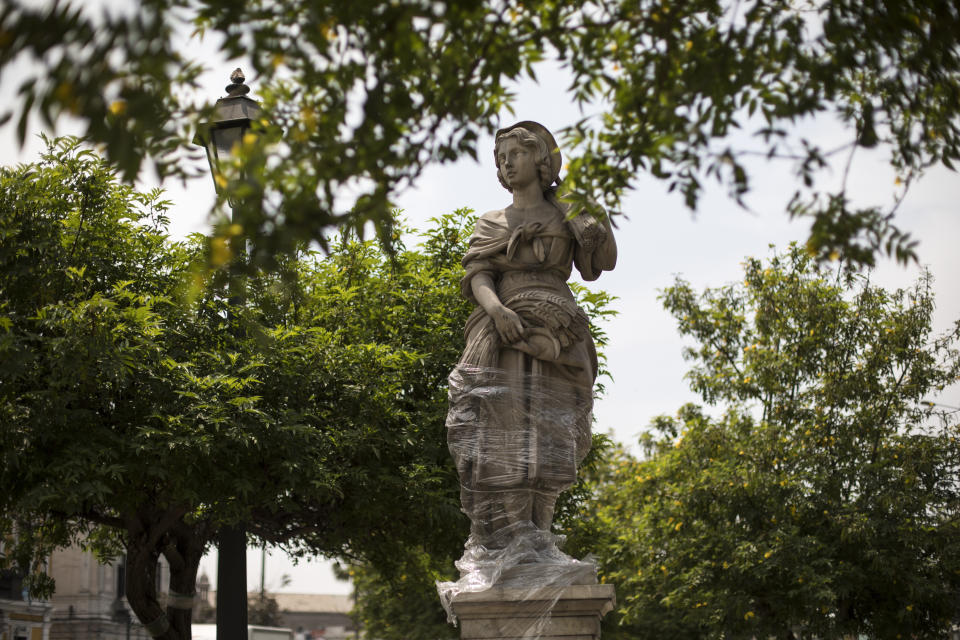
(305, 602)
(313, 602)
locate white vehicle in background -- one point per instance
(254, 632)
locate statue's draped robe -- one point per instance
(519, 418)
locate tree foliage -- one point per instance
(263, 609)
(823, 501)
(142, 410)
(368, 94)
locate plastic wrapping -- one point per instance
(517, 438)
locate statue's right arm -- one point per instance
(507, 322)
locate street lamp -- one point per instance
(232, 118)
(221, 138)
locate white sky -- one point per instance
(657, 240)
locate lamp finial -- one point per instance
(236, 87)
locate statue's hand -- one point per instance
(508, 324)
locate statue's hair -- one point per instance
(541, 155)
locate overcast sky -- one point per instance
(657, 238)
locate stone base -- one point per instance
(547, 613)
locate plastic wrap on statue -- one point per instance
(521, 396)
(516, 439)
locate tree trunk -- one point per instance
(183, 553)
(141, 587)
(150, 534)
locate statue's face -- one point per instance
(517, 163)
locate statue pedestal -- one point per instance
(546, 613)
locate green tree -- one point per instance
(265, 610)
(368, 94)
(141, 411)
(403, 603)
(823, 502)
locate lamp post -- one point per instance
(220, 138)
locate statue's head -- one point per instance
(538, 139)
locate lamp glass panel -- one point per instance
(224, 139)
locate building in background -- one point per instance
(311, 616)
(325, 617)
(89, 601)
(20, 617)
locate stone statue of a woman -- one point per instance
(521, 395)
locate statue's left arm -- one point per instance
(596, 250)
